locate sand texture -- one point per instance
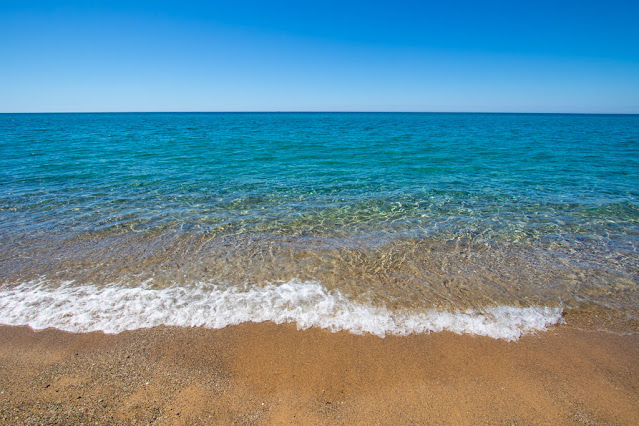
(275, 374)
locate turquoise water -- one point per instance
(399, 210)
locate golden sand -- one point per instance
(275, 374)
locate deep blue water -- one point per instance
(503, 176)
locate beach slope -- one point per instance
(266, 373)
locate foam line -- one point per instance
(114, 308)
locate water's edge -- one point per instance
(114, 309)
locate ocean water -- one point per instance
(382, 223)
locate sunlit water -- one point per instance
(399, 216)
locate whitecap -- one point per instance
(116, 308)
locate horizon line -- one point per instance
(318, 112)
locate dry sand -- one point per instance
(275, 374)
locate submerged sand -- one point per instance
(267, 373)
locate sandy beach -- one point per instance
(274, 374)
(319, 213)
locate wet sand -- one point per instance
(275, 374)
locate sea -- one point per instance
(497, 225)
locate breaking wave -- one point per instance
(114, 308)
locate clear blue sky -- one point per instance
(527, 56)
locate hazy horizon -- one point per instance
(322, 112)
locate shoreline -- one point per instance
(267, 373)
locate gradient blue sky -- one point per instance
(511, 56)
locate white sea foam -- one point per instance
(115, 308)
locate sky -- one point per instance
(470, 56)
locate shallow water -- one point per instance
(407, 214)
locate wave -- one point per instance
(114, 309)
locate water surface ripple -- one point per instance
(395, 211)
